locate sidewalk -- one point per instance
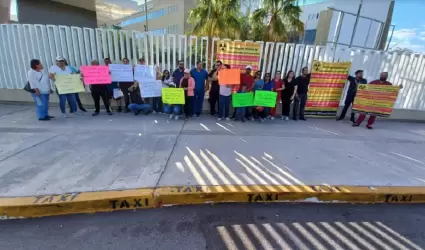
(124, 152)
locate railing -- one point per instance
(19, 43)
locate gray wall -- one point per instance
(49, 12)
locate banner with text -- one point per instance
(68, 84)
(375, 100)
(239, 54)
(326, 85)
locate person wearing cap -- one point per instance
(351, 94)
(200, 75)
(110, 89)
(188, 84)
(61, 69)
(99, 91)
(77, 96)
(247, 79)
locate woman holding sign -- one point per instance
(188, 84)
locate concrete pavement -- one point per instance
(227, 226)
(120, 152)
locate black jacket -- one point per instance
(352, 88)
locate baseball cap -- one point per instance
(59, 58)
(186, 71)
(249, 67)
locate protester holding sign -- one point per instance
(138, 103)
(224, 99)
(188, 84)
(167, 82)
(381, 81)
(351, 94)
(40, 90)
(124, 88)
(240, 111)
(98, 90)
(302, 82)
(77, 96)
(201, 76)
(214, 89)
(278, 86)
(288, 94)
(61, 69)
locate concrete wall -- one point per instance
(50, 12)
(4, 11)
(18, 96)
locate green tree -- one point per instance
(283, 18)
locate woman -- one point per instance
(224, 100)
(188, 84)
(124, 86)
(288, 94)
(99, 91)
(278, 87)
(40, 86)
(61, 69)
(268, 86)
(157, 100)
(77, 96)
(258, 85)
(167, 82)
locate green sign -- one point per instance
(243, 100)
(265, 98)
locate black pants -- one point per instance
(188, 105)
(124, 88)
(299, 105)
(286, 105)
(213, 100)
(259, 114)
(98, 92)
(349, 100)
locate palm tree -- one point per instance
(283, 17)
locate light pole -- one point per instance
(356, 22)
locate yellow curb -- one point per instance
(105, 201)
(74, 203)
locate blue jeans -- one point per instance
(198, 101)
(157, 104)
(172, 109)
(223, 106)
(137, 107)
(71, 100)
(240, 113)
(41, 105)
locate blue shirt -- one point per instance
(177, 76)
(268, 86)
(258, 84)
(200, 78)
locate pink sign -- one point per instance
(96, 74)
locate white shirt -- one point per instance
(58, 71)
(166, 83)
(225, 91)
(39, 80)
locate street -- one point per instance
(226, 226)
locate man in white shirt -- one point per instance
(61, 69)
(40, 84)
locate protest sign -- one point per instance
(326, 85)
(121, 72)
(144, 72)
(96, 74)
(173, 95)
(375, 100)
(150, 88)
(229, 77)
(68, 84)
(243, 100)
(265, 98)
(239, 54)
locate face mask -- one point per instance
(383, 79)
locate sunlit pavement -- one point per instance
(123, 151)
(227, 226)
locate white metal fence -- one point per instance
(19, 43)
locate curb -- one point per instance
(107, 201)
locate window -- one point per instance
(152, 15)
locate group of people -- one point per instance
(196, 84)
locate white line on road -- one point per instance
(323, 130)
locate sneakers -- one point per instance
(227, 119)
(176, 117)
(154, 112)
(78, 112)
(83, 109)
(109, 112)
(369, 127)
(44, 119)
(286, 118)
(261, 120)
(252, 118)
(272, 118)
(219, 119)
(171, 116)
(95, 114)
(64, 115)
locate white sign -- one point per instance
(149, 88)
(121, 72)
(144, 72)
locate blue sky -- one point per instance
(409, 21)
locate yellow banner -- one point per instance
(68, 84)
(327, 67)
(173, 96)
(239, 54)
(375, 99)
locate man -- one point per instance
(142, 61)
(137, 102)
(381, 81)
(200, 75)
(214, 88)
(124, 86)
(247, 80)
(99, 91)
(300, 100)
(351, 94)
(178, 73)
(110, 88)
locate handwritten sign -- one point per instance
(265, 98)
(96, 74)
(173, 96)
(243, 100)
(229, 77)
(121, 72)
(150, 88)
(144, 72)
(68, 84)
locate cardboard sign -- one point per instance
(265, 98)
(173, 96)
(150, 88)
(96, 74)
(375, 100)
(243, 100)
(121, 72)
(68, 84)
(229, 77)
(144, 72)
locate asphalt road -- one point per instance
(226, 226)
